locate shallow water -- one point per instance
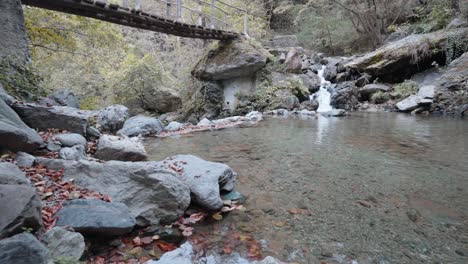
(339, 190)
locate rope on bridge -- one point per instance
(208, 25)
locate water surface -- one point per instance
(371, 187)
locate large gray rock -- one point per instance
(65, 98)
(14, 133)
(161, 99)
(96, 217)
(314, 82)
(14, 40)
(120, 148)
(397, 60)
(23, 249)
(284, 98)
(11, 174)
(345, 96)
(457, 22)
(23, 159)
(20, 207)
(63, 243)
(451, 96)
(228, 61)
(205, 179)
(73, 153)
(293, 62)
(410, 103)
(60, 117)
(112, 118)
(427, 92)
(152, 194)
(174, 126)
(141, 125)
(70, 139)
(368, 90)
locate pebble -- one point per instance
(413, 214)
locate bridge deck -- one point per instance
(132, 18)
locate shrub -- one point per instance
(380, 97)
(404, 89)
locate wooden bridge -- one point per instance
(203, 19)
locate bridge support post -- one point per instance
(179, 9)
(13, 37)
(200, 17)
(212, 20)
(168, 8)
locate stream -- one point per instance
(367, 188)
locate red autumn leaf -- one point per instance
(165, 246)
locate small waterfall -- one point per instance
(323, 96)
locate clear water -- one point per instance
(323, 95)
(356, 180)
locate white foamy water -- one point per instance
(323, 96)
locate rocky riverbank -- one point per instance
(81, 187)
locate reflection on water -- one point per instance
(355, 181)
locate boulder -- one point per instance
(14, 41)
(23, 248)
(205, 122)
(457, 22)
(345, 96)
(23, 159)
(311, 105)
(96, 217)
(112, 118)
(161, 99)
(152, 194)
(397, 61)
(65, 98)
(330, 73)
(70, 139)
(230, 60)
(284, 98)
(314, 82)
(174, 126)
(335, 112)
(11, 174)
(205, 179)
(73, 153)
(14, 133)
(408, 104)
(63, 243)
(120, 148)
(60, 117)
(293, 62)
(368, 90)
(450, 89)
(141, 125)
(20, 207)
(92, 132)
(53, 145)
(427, 92)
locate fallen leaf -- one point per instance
(217, 216)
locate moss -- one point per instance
(66, 260)
(380, 97)
(90, 103)
(20, 80)
(404, 89)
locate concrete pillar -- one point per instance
(13, 38)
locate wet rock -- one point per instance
(413, 215)
(96, 217)
(174, 126)
(205, 179)
(74, 153)
(254, 116)
(335, 112)
(11, 174)
(345, 96)
(23, 249)
(395, 61)
(330, 73)
(368, 90)
(70, 139)
(120, 148)
(152, 194)
(59, 117)
(65, 98)
(141, 125)
(408, 104)
(309, 105)
(293, 62)
(63, 243)
(112, 118)
(23, 159)
(20, 207)
(284, 98)
(234, 196)
(14, 133)
(230, 60)
(314, 82)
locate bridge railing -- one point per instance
(214, 14)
